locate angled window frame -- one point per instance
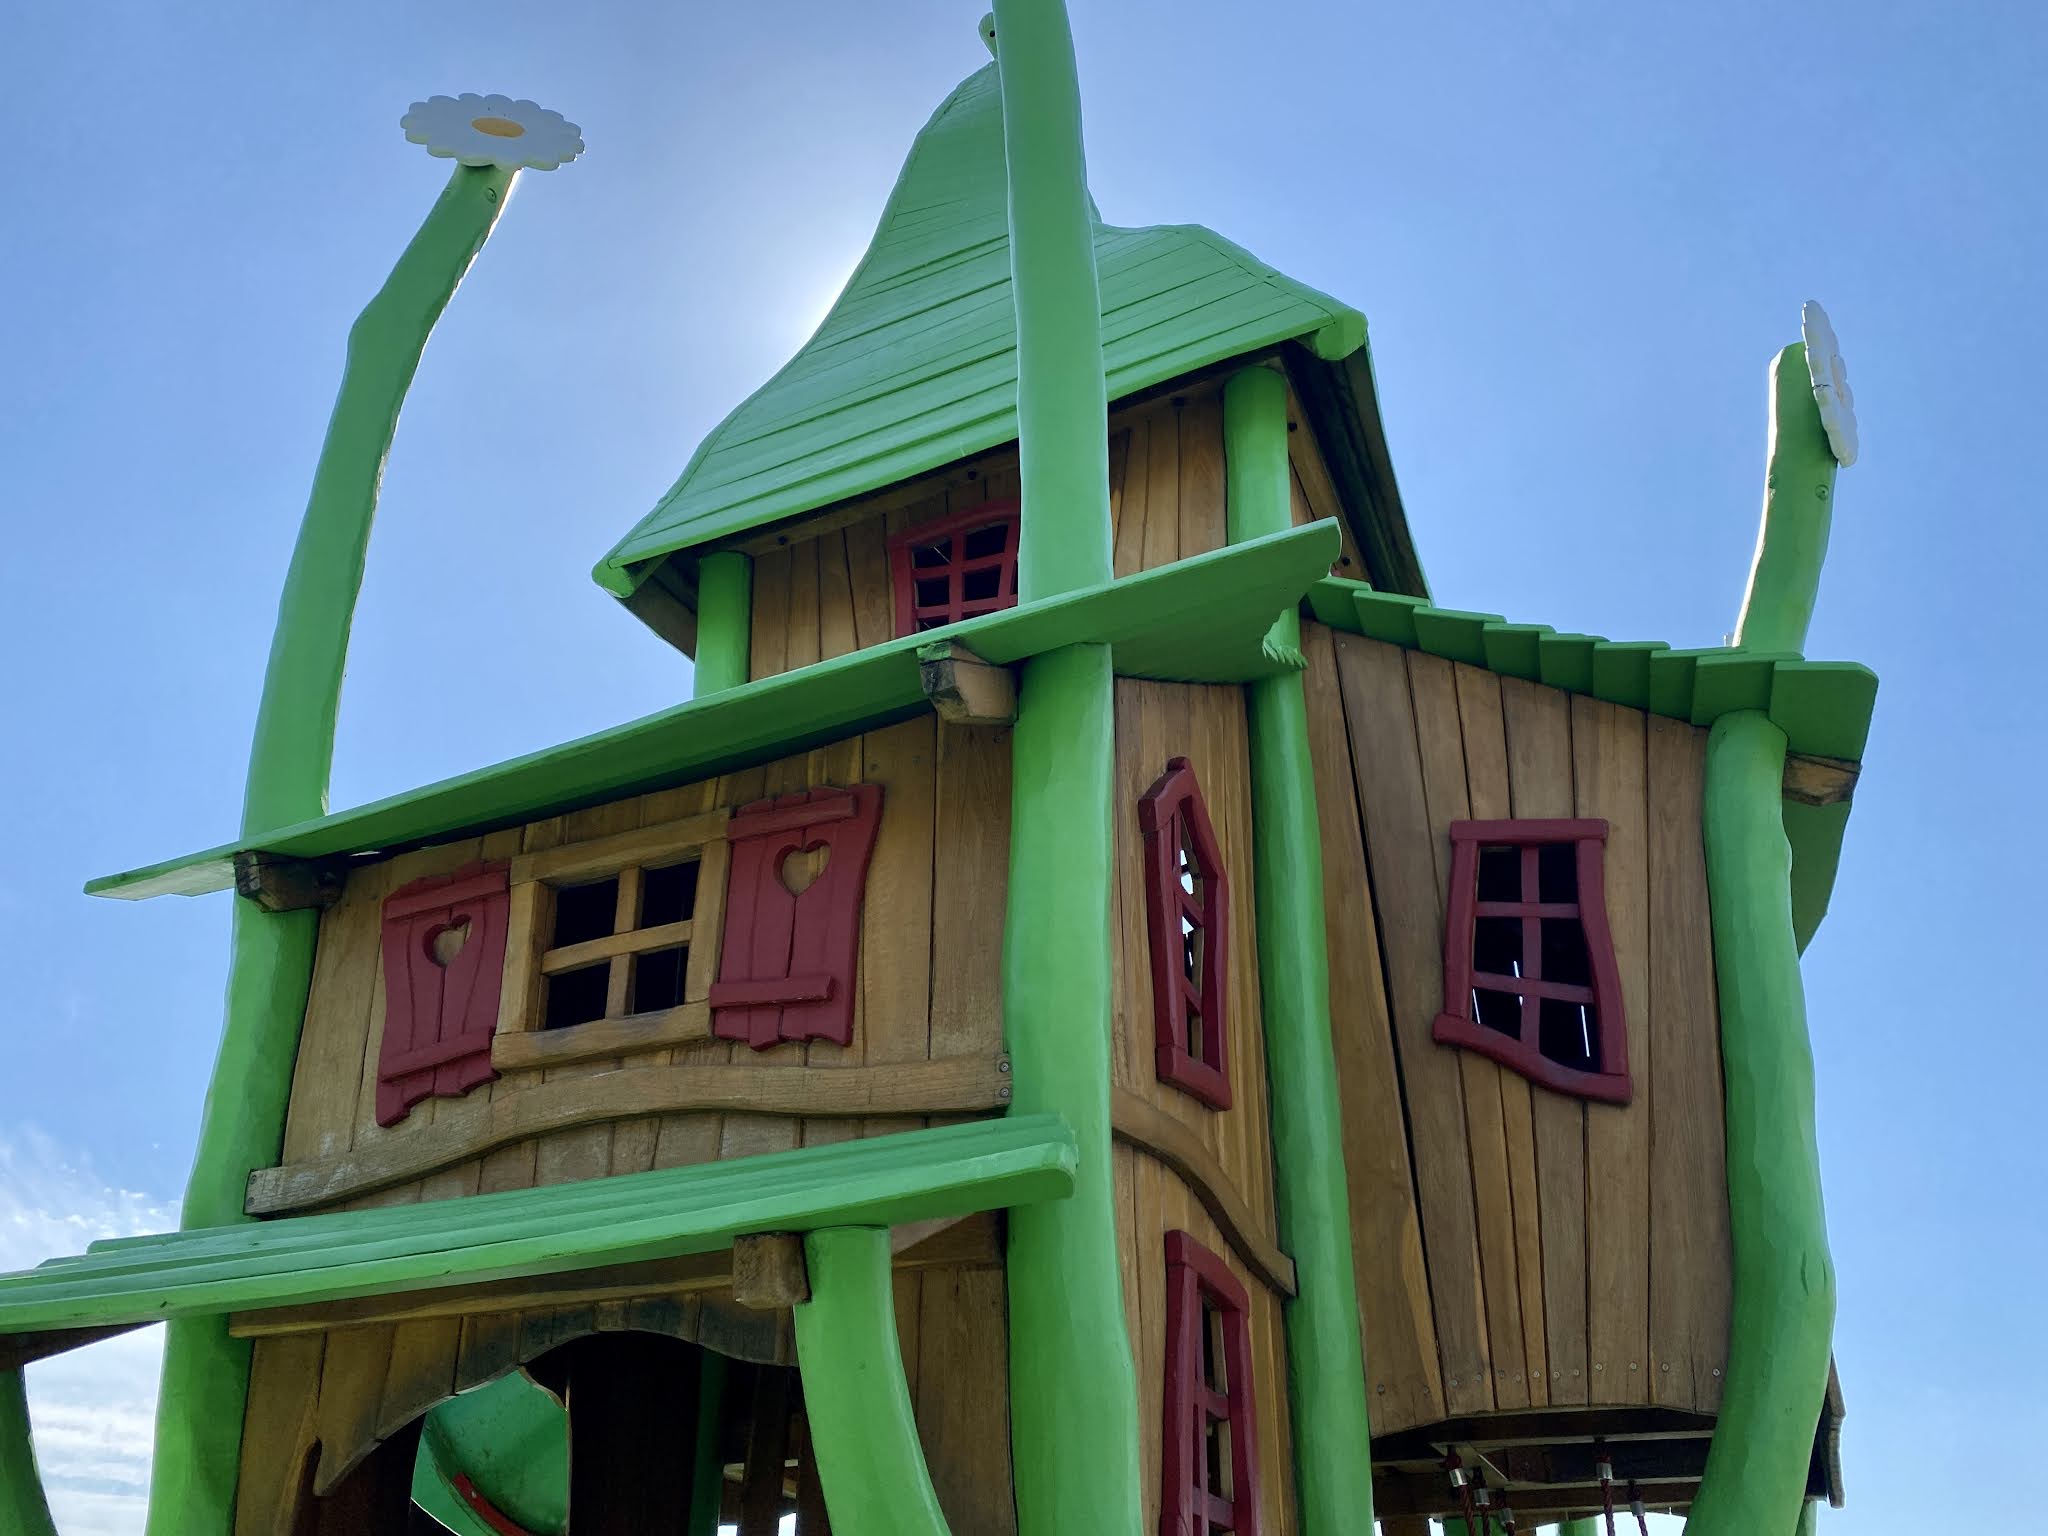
(1456, 1024)
(1173, 815)
(1200, 1284)
(912, 617)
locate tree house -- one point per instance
(1107, 1003)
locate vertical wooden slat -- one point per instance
(1608, 744)
(1486, 780)
(351, 1393)
(768, 650)
(896, 917)
(801, 623)
(278, 1433)
(970, 864)
(1162, 488)
(836, 634)
(836, 766)
(1539, 742)
(336, 1035)
(1404, 1380)
(1201, 473)
(1387, 767)
(1130, 525)
(963, 1400)
(1433, 686)
(867, 565)
(1689, 1258)
(1119, 457)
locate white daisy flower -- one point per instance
(1830, 376)
(493, 130)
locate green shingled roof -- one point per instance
(916, 365)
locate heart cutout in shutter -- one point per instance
(801, 867)
(446, 942)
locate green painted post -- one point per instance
(1782, 1311)
(863, 1429)
(206, 1373)
(707, 1475)
(1062, 409)
(1073, 1391)
(1587, 1526)
(1325, 1356)
(725, 614)
(23, 1510)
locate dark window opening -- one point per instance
(955, 568)
(576, 997)
(668, 895)
(1529, 972)
(658, 980)
(585, 912)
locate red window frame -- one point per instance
(1523, 1053)
(1174, 817)
(1199, 1286)
(913, 616)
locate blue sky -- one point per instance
(1580, 231)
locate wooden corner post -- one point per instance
(1073, 1391)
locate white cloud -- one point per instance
(93, 1409)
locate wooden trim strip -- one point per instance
(1151, 1130)
(19, 1349)
(459, 1132)
(519, 1049)
(606, 855)
(454, 1048)
(835, 805)
(635, 941)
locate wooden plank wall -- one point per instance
(1518, 1248)
(821, 583)
(1157, 721)
(929, 987)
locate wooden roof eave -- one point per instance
(1823, 707)
(1198, 620)
(879, 1181)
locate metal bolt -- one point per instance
(1665, 1367)
(1003, 1065)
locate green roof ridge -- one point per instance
(915, 365)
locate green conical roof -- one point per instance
(916, 365)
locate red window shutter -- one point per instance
(955, 567)
(439, 1017)
(792, 929)
(1196, 1499)
(1547, 900)
(1189, 930)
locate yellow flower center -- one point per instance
(498, 127)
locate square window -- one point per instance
(955, 568)
(668, 895)
(658, 979)
(577, 997)
(585, 912)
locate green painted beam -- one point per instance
(1325, 1357)
(23, 1509)
(920, 1175)
(863, 1428)
(1202, 619)
(725, 616)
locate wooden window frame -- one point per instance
(1199, 1283)
(953, 529)
(531, 957)
(1522, 1053)
(1172, 812)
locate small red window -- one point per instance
(955, 568)
(1187, 900)
(444, 965)
(1529, 972)
(792, 916)
(1210, 1481)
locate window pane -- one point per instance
(658, 979)
(1499, 1011)
(983, 585)
(668, 895)
(932, 556)
(1564, 952)
(584, 912)
(1497, 946)
(1557, 872)
(1195, 1038)
(576, 997)
(932, 593)
(1500, 874)
(1567, 1034)
(1212, 1349)
(985, 541)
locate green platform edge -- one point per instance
(924, 1175)
(1823, 707)
(1201, 620)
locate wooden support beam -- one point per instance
(1819, 780)
(19, 1349)
(768, 1271)
(963, 688)
(279, 884)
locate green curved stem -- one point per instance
(863, 1430)
(725, 612)
(1062, 411)
(1073, 1391)
(23, 1510)
(1792, 541)
(1325, 1357)
(205, 1373)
